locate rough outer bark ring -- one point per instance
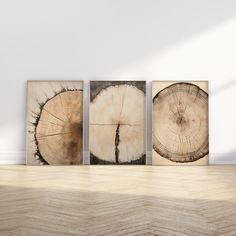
(117, 126)
(175, 97)
(59, 129)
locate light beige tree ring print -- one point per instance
(117, 124)
(59, 132)
(180, 123)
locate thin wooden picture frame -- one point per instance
(104, 84)
(163, 151)
(55, 94)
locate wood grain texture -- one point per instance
(117, 200)
(180, 123)
(117, 122)
(55, 123)
(59, 132)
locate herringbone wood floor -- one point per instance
(117, 200)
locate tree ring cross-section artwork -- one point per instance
(117, 122)
(180, 123)
(55, 123)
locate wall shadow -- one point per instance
(223, 87)
(89, 38)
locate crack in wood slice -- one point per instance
(117, 125)
(180, 123)
(117, 141)
(59, 132)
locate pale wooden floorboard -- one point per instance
(117, 200)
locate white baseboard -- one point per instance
(12, 157)
(221, 158)
(148, 157)
(86, 157)
(19, 158)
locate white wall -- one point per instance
(147, 39)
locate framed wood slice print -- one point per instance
(117, 122)
(180, 123)
(55, 123)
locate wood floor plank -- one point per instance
(117, 200)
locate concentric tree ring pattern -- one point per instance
(180, 123)
(117, 125)
(59, 130)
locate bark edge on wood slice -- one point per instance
(180, 122)
(59, 131)
(117, 125)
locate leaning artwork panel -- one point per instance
(117, 122)
(55, 123)
(180, 132)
